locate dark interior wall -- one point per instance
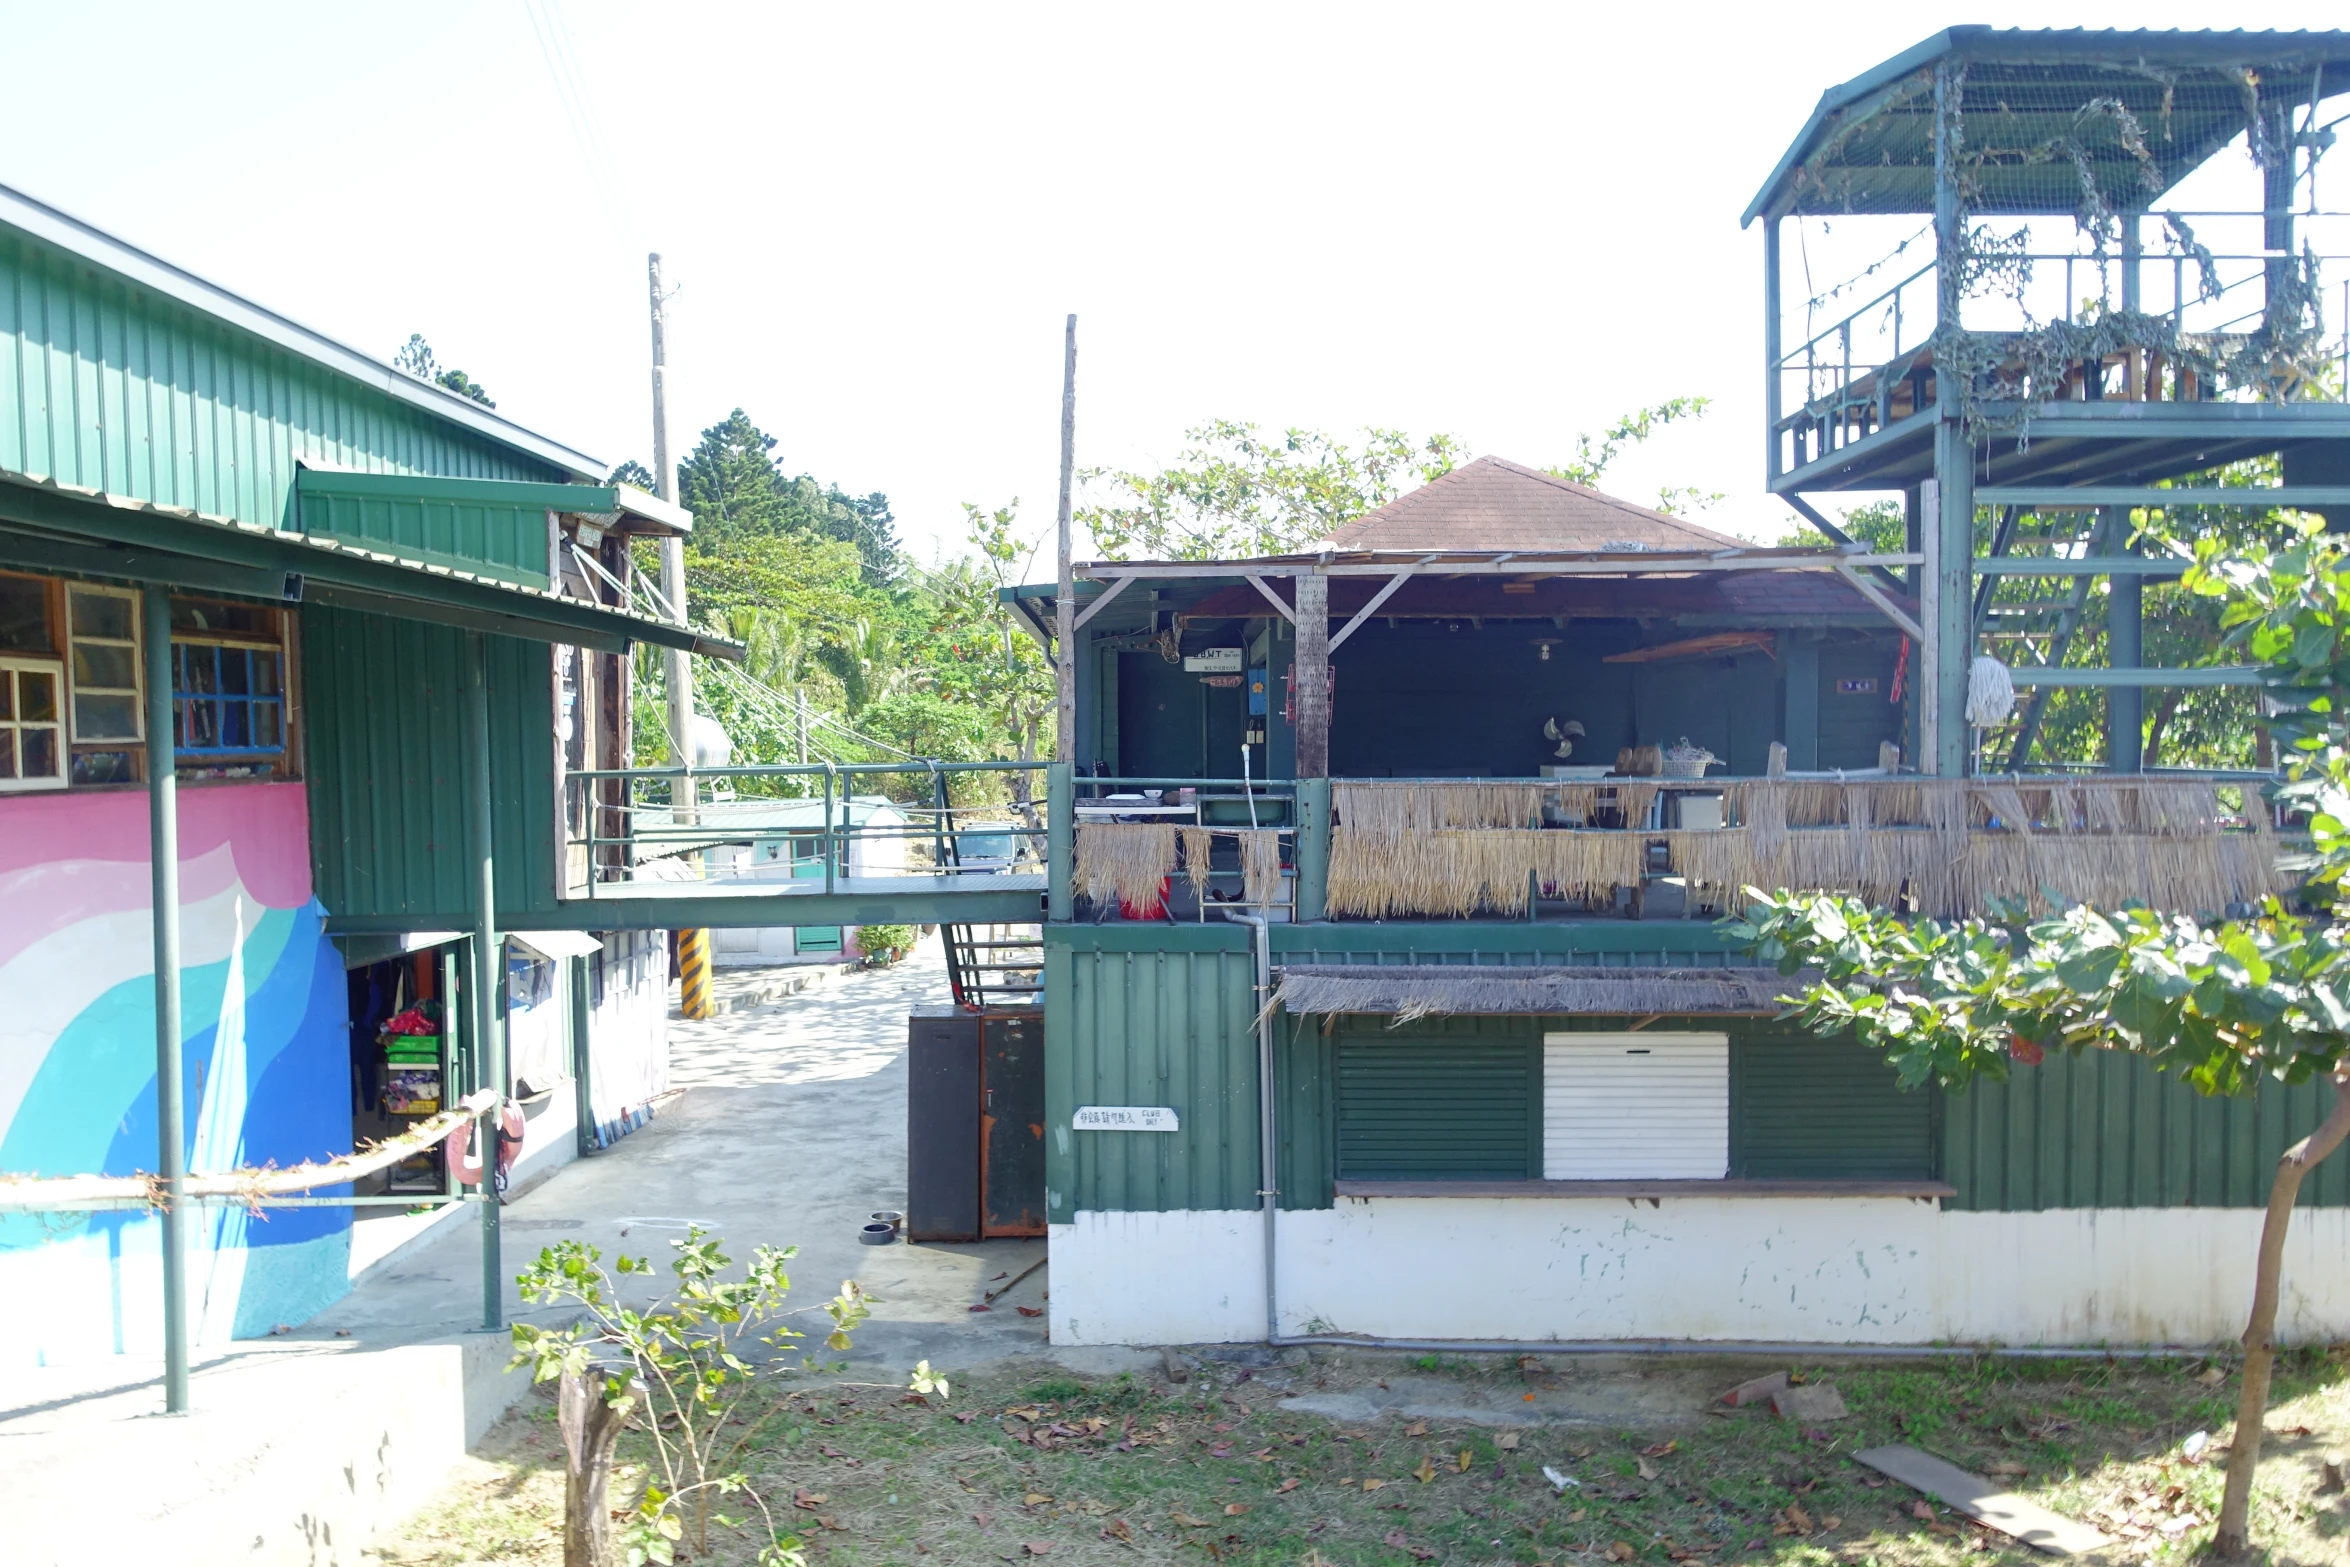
(1172, 724)
(1857, 710)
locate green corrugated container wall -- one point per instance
(105, 385)
(496, 528)
(383, 700)
(2105, 1130)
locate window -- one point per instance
(228, 694)
(1646, 1106)
(102, 626)
(32, 723)
(25, 625)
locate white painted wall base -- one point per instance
(1834, 1270)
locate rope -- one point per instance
(1990, 694)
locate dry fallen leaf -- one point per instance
(1425, 1473)
(1029, 1311)
(1286, 1485)
(1798, 1517)
(1576, 1516)
(1395, 1537)
(1463, 1459)
(1507, 1441)
(1831, 1521)
(1040, 1547)
(811, 1500)
(1661, 1449)
(828, 1522)
(1416, 1428)
(2006, 1466)
(1188, 1521)
(2212, 1376)
(1036, 1499)
(1647, 1469)
(1922, 1512)
(1373, 1485)
(1619, 1552)
(1235, 1509)
(1118, 1529)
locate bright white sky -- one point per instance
(1508, 222)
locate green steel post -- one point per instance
(1942, 685)
(1771, 347)
(1313, 849)
(1060, 836)
(582, 1055)
(828, 843)
(489, 1058)
(2125, 706)
(163, 851)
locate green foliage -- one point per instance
(885, 944)
(738, 491)
(1595, 454)
(635, 475)
(1238, 493)
(416, 358)
(679, 1367)
(2221, 1005)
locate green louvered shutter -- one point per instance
(1827, 1109)
(1436, 1109)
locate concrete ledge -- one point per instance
(294, 1453)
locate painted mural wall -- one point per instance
(264, 1054)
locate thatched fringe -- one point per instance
(1260, 865)
(1951, 845)
(1406, 991)
(1131, 861)
(1128, 861)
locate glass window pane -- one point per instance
(7, 753)
(40, 751)
(103, 767)
(105, 717)
(98, 664)
(234, 670)
(202, 726)
(7, 694)
(236, 727)
(24, 616)
(100, 614)
(265, 674)
(36, 692)
(265, 726)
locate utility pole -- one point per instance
(693, 946)
(1065, 599)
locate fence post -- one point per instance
(1313, 849)
(1060, 836)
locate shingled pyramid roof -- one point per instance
(1493, 504)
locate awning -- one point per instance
(558, 943)
(46, 526)
(1407, 992)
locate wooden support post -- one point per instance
(1312, 675)
(163, 852)
(1065, 594)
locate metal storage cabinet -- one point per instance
(942, 1126)
(974, 1124)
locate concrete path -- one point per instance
(790, 1131)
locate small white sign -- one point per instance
(1213, 661)
(1123, 1118)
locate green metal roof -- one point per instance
(61, 527)
(1869, 145)
(46, 225)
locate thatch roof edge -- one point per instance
(1412, 991)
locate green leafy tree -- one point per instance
(737, 490)
(1237, 493)
(635, 475)
(416, 358)
(1595, 454)
(2221, 1005)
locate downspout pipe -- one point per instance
(1268, 1147)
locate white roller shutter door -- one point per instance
(1635, 1107)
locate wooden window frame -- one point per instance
(14, 724)
(75, 690)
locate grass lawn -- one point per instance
(1136, 1469)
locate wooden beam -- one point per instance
(1517, 564)
(1698, 647)
(1274, 598)
(1877, 596)
(1377, 599)
(1117, 586)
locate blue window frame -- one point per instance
(228, 699)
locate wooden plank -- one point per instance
(1983, 1501)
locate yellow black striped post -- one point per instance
(693, 973)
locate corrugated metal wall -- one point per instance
(105, 385)
(1147, 1022)
(383, 702)
(2105, 1130)
(492, 527)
